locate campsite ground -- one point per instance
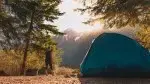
(64, 75)
(69, 80)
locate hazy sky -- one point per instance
(72, 19)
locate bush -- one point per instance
(67, 72)
(11, 61)
(34, 61)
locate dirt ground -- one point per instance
(71, 80)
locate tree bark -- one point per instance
(52, 60)
(0, 5)
(27, 42)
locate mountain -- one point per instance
(75, 45)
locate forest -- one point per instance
(28, 28)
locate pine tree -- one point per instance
(143, 36)
(33, 34)
(119, 13)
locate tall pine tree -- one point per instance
(32, 33)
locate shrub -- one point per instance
(66, 71)
(11, 61)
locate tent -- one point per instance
(116, 55)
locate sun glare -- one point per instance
(73, 19)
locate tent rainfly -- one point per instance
(115, 55)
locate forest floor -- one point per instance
(69, 80)
(65, 75)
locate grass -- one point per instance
(67, 71)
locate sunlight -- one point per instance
(72, 19)
(97, 25)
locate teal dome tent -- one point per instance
(116, 55)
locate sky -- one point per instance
(73, 19)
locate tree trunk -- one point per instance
(0, 5)
(27, 42)
(51, 60)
